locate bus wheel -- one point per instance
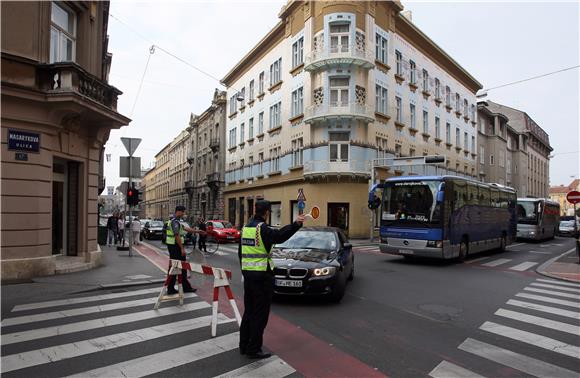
(502, 243)
(463, 250)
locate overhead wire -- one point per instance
(531, 78)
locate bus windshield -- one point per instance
(411, 204)
(528, 212)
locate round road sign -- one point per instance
(573, 197)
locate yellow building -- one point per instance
(558, 194)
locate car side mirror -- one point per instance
(440, 197)
(347, 246)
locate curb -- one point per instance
(542, 268)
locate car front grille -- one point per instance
(290, 272)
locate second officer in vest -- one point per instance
(257, 268)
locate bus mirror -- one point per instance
(440, 196)
(374, 203)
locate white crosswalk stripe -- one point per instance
(524, 266)
(515, 333)
(497, 262)
(96, 336)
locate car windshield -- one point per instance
(156, 224)
(310, 240)
(527, 212)
(567, 223)
(411, 203)
(222, 225)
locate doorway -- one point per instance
(65, 207)
(338, 215)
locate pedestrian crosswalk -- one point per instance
(120, 335)
(525, 336)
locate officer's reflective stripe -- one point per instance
(254, 255)
(254, 263)
(250, 242)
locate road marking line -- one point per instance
(515, 245)
(496, 262)
(556, 287)
(523, 266)
(536, 320)
(532, 339)
(542, 308)
(447, 369)
(64, 302)
(477, 260)
(556, 293)
(158, 362)
(515, 360)
(34, 334)
(541, 253)
(80, 348)
(549, 300)
(561, 283)
(272, 367)
(81, 311)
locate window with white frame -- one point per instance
(339, 87)
(260, 163)
(457, 137)
(62, 34)
(298, 52)
(251, 90)
(339, 146)
(243, 97)
(437, 128)
(275, 159)
(381, 99)
(297, 152)
(447, 96)
(465, 141)
(425, 122)
(398, 150)
(481, 154)
(437, 89)
(472, 112)
(399, 60)
(448, 133)
(233, 137)
(382, 148)
(297, 102)
(261, 123)
(413, 116)
(233, 104)
(472, 144)
(261, 83)
(465, 107)
(251, 128)
(399, 106)
(339, 37)
(275, 72)
(275, 119)
(457, 102)
(413, 68)
(242, 132)
(381, 48)
(425, 80)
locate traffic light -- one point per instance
(132, 196)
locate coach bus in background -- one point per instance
(538, 218)
(443, 216)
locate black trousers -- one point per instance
(258, 293)
(175, 254)
(201, 243)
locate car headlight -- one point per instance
(326, 271)
(532, 232)
(435, 243)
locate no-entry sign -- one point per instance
(573, 197)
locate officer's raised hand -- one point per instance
(300, 218)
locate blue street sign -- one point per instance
(301, 205)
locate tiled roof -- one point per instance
(565, 188)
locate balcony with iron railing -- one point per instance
(213, 180)
(330, 56)
(214, 144)
(326, 168)
(338, 110)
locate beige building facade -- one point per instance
(57, 112)
(558, 194)
(333, 86)
(178, 170)
(157, 193)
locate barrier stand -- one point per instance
(221, 279)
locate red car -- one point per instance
(223, 231)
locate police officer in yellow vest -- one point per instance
(174, 239)
(255, 258)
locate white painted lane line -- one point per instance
(496, 262)
(515, 245)
(515, 360)
(542, 322)
(158, 362)
(477, 260)
(35, 334)
(570, 289)
(542, 308)
(272, 367)
(552, 292)
(541, 253)
(523, 266)
(80, 311)
(560, 283)
(80, 348)
(449, 370)
(532, 339)
(96, 298)
(549, 300)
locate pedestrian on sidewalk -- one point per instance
(121, 229)
(175, 233)
(136, 230)
(112, 229)
(255, 257)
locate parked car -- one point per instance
(566, 228)
(222, 231)
(314, 261)
(153, 230)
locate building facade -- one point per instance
(513, 150)
(57, 112)
(158, 192)
(331, 87)
(178, 151)
(558, 194)
(205, 180)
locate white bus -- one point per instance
(538, 218)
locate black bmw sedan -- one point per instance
(314, 261)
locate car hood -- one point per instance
(226, 230)
(155, 228)
(305, 256)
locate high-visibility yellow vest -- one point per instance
(255, 257)
(170, 237)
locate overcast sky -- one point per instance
(497, 42)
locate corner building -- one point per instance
(332, 86)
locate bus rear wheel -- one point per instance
(463, 250)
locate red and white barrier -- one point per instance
(221, 279)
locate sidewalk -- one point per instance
(564, 267)
(364, 242)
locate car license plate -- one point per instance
(230, 237)
(288, 283)
(405, 251)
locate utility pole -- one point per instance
(130, 164)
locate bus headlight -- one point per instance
(326, 271)
(435, 243)
(532, 232)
